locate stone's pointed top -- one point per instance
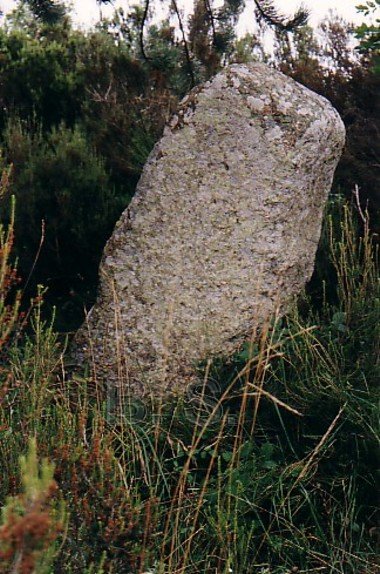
(222, 231)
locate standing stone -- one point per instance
(221, 233)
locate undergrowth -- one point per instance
(269, 467)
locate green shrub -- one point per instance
(38, 79)
(66, 209)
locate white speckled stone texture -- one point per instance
(221, 233)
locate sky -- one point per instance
(87, 11)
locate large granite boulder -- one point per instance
(221, 233)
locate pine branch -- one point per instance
(267, 12)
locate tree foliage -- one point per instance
(267, 11)
(47, 11)
(369, 34)
(327, 64)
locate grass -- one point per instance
(269, 467)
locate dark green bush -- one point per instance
(66, 207)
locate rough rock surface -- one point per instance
(222, 231)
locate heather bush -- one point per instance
(32, 521)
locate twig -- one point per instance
(37, 254)
(185, 44)
(260, 391)
(357, 199)
(141, 36)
